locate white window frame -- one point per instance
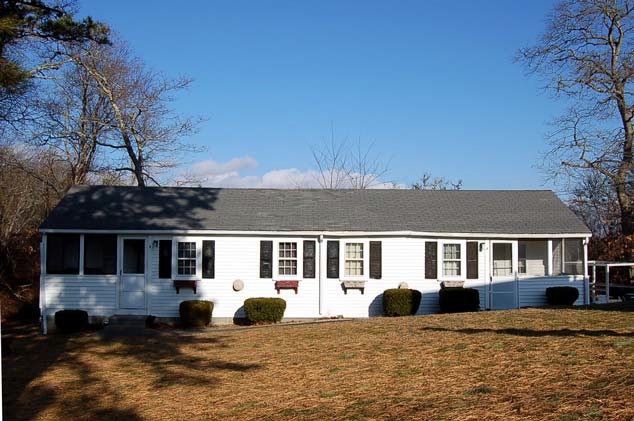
(366, 259)
(199, 243)
(300, 259)
(441, 260)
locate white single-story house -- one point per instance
(141, 251)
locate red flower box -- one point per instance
(286, 285)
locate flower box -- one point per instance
(452, 284)
(178, 284)
(286, 285)
(346, 285)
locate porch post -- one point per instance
(607, 283)
(549, 272)
(586, 282)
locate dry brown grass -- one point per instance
(527, 364)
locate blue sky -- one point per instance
(431, 84)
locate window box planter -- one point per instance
(178, 284)
(286, 285)
(452, 284)
(346, 285)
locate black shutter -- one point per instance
(375, 259)
(209, 257)
(309, 259)
(472, 260)
(332, 262)
(266, 259)
(165, 259)
(431, 260)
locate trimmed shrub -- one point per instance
(264, 310)
(71, 321)
(458, 300)
(401, 302)
(562, 296)
(196, 313)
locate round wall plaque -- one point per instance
(238, 285)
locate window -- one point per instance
(532, 256)
(186, 258)
(100, 254)
(62, 254)
(573, 258)
(502, 259)
(451, 260)
(287, 262)
(354, 259)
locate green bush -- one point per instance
(458, 300)
(71, 321)
(401, 302)
(196, 313)
(264, 310)
(562, 296)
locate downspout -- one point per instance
(322, 285)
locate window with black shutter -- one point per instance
(375, 259)
(309, 259)
(209, 257)
(431, 260)
(62, 254)
(165, 259)
(332, 261)
(266, 259)
(472, 260)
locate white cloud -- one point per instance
(211, 173)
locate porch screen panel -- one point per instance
(100, 254)
(573, 259)
(431, 260)
(472, 260)
(557, 270)
(62, 254)
(165, 259)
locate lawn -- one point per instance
(527, 364)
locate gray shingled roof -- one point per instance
(167, 208)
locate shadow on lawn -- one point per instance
(533, 332)
(162, 360)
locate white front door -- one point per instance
(132, 282)
(502, 285)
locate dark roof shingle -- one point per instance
(176, 208)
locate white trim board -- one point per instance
(320, 233)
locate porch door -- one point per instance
(502, 285)
(132, 282)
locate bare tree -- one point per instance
(148, 132)
(340, 166)
(77, 121)
(586, 55)
(427, 182)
